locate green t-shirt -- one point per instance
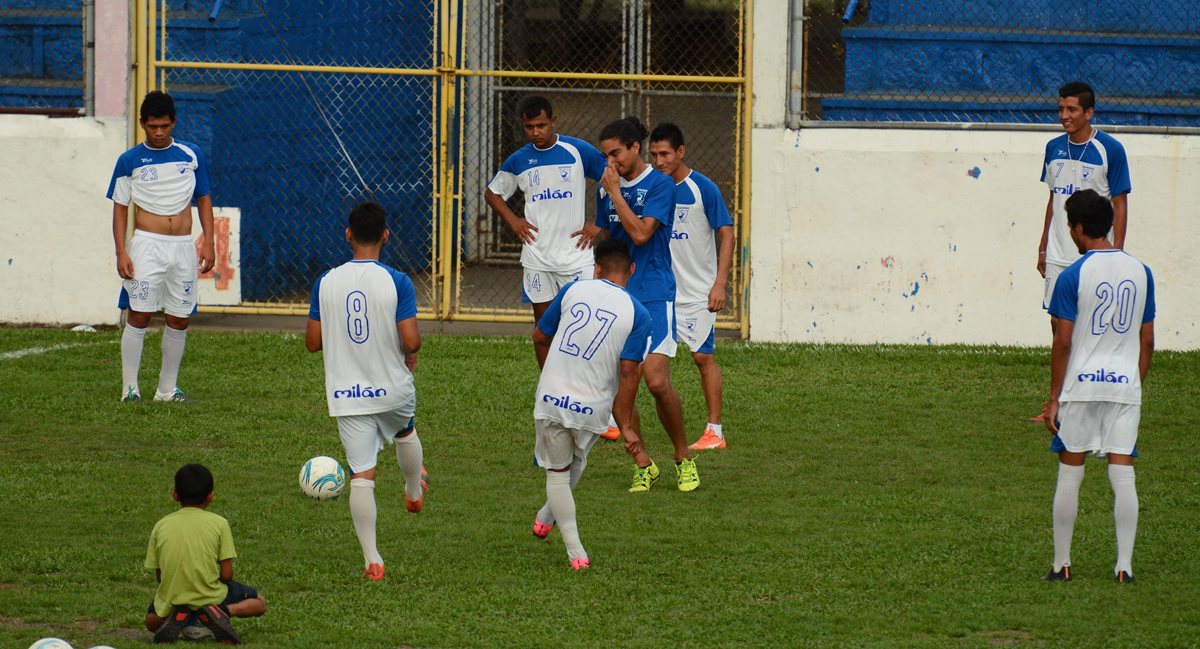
(188, 546)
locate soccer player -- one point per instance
(364, 315)
(162, 176)
(191, 553)
(589, 369)
(701, 253)
(1081, 158)
(551, 172)
(637, 205)
(1104, 303)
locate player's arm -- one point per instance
(120, 223)
(312, 335)
(541, 346)
(410, 341)
(716, 295)
(1041, 258)
(227, 570)
(525, 231)
(594, 165)
(1060, 353)
(1120, 205)
(158, 575)
(640, 229)
(1146, 335)
(207, 248)
(623, 406)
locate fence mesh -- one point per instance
(41, 56)
(943, 61)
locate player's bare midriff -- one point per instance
(179, 224)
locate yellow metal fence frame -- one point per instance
(150, 32)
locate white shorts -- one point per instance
(164, 274)
(364, 436)
(695, 325)
(540, 286)
(1052, 273)
(556, 445)
(662, 328)
(1099, 427)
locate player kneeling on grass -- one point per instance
(364, 315)
(1104, 303)
(191, 552)
(590, 368)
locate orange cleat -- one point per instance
(708, 441)
(580, 564)
(414, 506)
(374, 572)
(1041, 415)
(540, 529)
(613, 433)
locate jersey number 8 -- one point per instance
(357, 326)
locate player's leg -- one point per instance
(544, 521)
(697, 326)
(554, 449)
(243, 601)
(1078, 435)
(1120, 444)
(410, 454)
(144, 292)
(361, 439)
(179, 292)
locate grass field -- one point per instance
(871, 496)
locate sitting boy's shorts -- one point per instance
(237, 593)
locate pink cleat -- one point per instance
(540, 529)
(414, 506)
(580, 564)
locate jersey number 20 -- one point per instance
(1115, 309)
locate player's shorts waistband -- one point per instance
(172, 238)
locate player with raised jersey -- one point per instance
(589, 343)
(637, 205)
(1104, 303)
(364, 316)
(1081, 158)
(551, 171)
(161, 177)
(701, 254)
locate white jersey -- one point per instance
(554, 183)
(595, 325)
(1098, 164)
(1109, 295)
(699, 213)
(358, 305)
(161, 181)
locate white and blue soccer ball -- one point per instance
(50, 643)
(322, 478)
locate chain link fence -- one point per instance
(998, 62)
(42, 47)
(306, 107)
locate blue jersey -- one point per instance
(162, 181)
(554, 182)
(1109, 295)
(699, 213)
(1098, 164)
(650, 195)
(595, 325)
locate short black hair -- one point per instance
(669, 132)
(193, 484)
(535, 105)
(368, 220)
(1080, 90)
(613, 255)
(628, 131)
(157, 104)
(1091, 209)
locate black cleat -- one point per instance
(217, 621)
(1062, 574)
(1125, 578)
(169, 631)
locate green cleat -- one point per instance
(177, 396)
(689, 477)
(644, 478)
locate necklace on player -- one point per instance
(1085, 146)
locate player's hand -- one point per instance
(410, 361)
(525, 231)
(610, 180)
(633, 445)
(586, 235)
(1041, 264)
(208, 256)
(716, 299)
(1051, 417)
(124, 266)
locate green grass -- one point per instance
(871, 496)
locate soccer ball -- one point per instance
(322, 478)
(50, 643)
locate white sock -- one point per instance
(546, 513)
(562, 503)
(362, 511)
(716, 428)
(132, 341)
(1066, 507)
(612, 423)
(173, 343)
(1125, 513)
(410, 455)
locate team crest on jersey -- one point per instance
(690, 323)
(641, 197)
(564, 172)
(535, 177)
(1087, 173)
(681, 212)
(187, 287)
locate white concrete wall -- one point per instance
(930, 236)
(56, 248)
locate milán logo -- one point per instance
(359, 392)
(548, 194)
(1102, 376)
(566, 403)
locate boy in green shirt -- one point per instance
(191, 552)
